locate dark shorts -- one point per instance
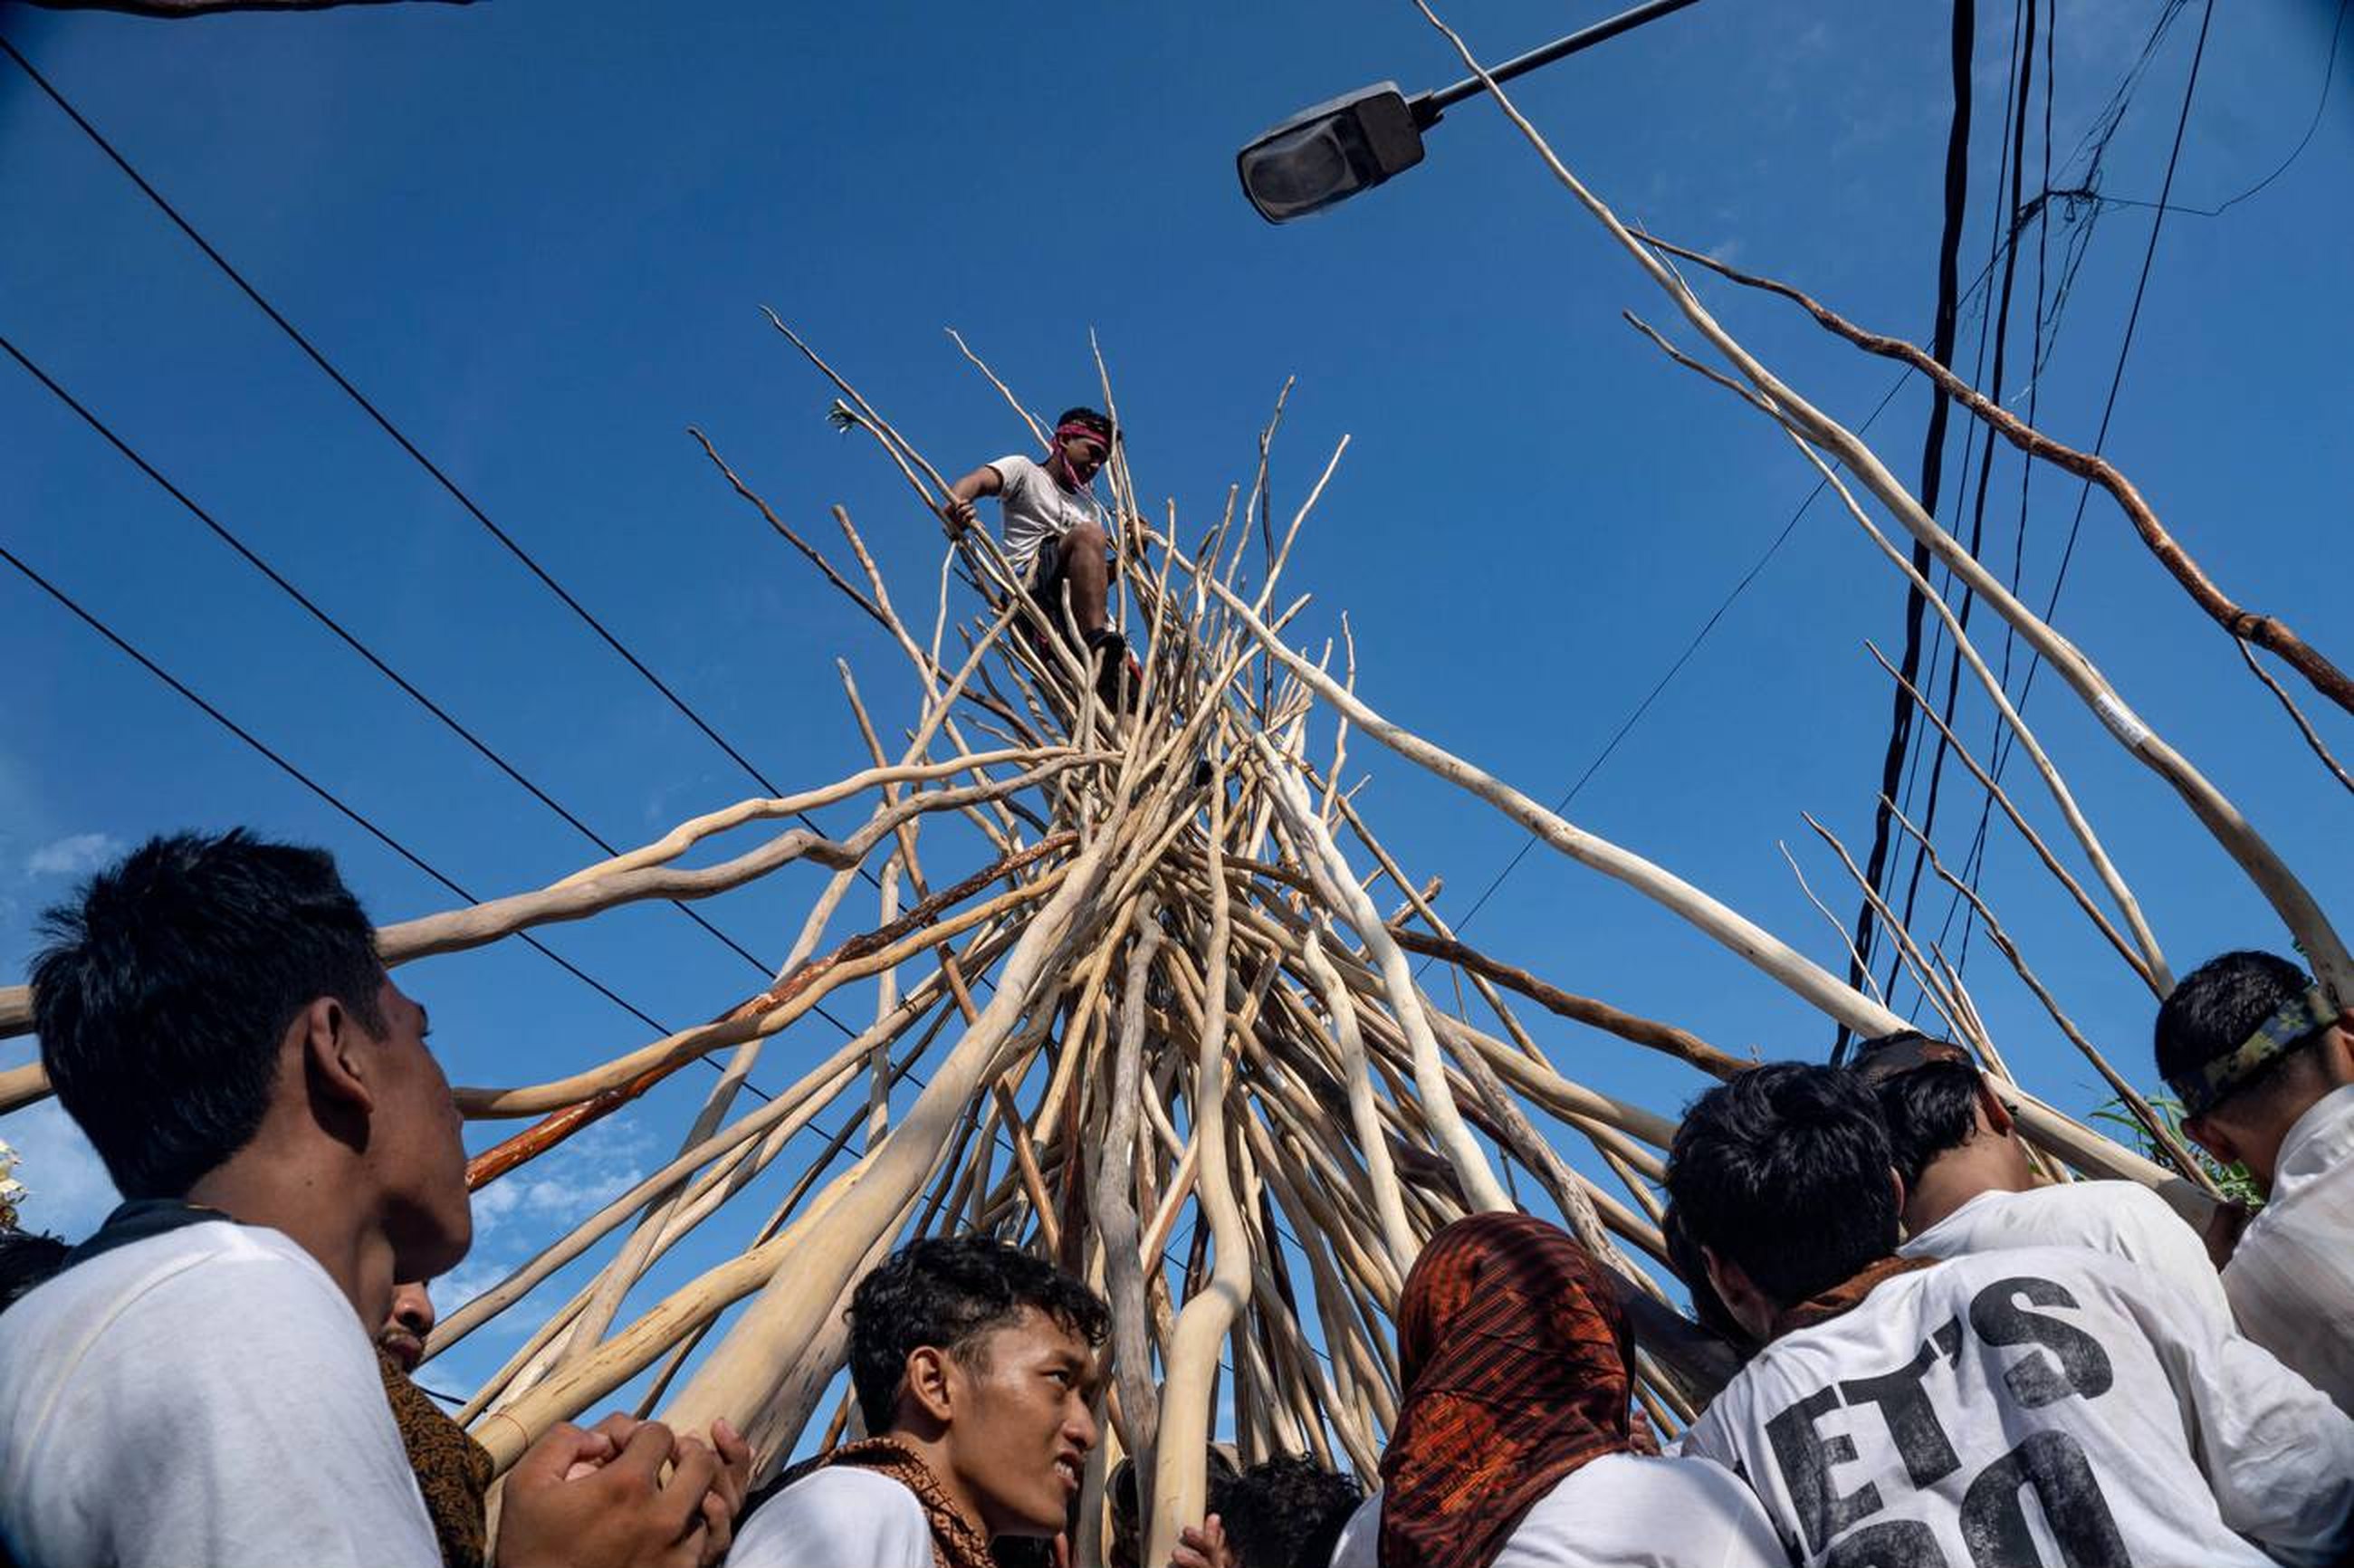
(1046, 574)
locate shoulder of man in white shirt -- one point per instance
(2291, 1278)
(2122, 1219)
(1667, 1510)
(838, 1516)
(140, 1417)
(2277, 1459)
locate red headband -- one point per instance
(1074, 430)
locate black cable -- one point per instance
(312, 785)
(1933, 463)
(1659, 685)
(405, 444)
(1974, 862)
(2118, 377)
(362, 648)
(2329, 74)
(329, 796)
(2014, 165)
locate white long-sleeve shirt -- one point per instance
(2291, 1279)
(2034, 1405)
(2125, 1219)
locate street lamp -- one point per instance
(1328, 153)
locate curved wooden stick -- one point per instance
(2246, 625)
(1180, 1487)
(2308, 926)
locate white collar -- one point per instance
(2318, 1140)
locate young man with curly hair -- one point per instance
(975, 1370)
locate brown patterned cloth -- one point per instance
(957, 1542)
(1516, 1361)
(1843, 1297)
(453, 1472)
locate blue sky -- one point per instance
(540, 240)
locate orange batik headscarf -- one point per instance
(1516, 1362)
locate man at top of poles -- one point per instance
(1055, 531)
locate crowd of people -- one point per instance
(1944, 1358)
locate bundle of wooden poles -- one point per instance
(1137, 959)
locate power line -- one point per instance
(332, 625)
(2329, 75)
(2116, 379)
(389, 429)
(1660, 685)
(1963, 43)
(337, 802)
(1994, 325)
(352, 814)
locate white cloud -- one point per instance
(525, 1210)
(465, 1282)
(76, 855)
(66, 1186)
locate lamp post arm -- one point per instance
(1429, 106)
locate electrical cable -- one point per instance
(1997, 325)
(2116, 379)
(1660, 685)
(327, 795)
(1963, 44)
(131, 455)
(401, 440)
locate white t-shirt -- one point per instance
(2291, 1279)
(1622, 1510)
(202, 1396)
(1037, 509)
(2124, 1219)
(839, 1517)
(1995, 1401)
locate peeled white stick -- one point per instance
(2297, 908)
(1181, 1483)
(1357, 1079)
(1809, 980)
(1339, 886)
(777, 1328)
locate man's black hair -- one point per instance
(1783, 1171)
(945, 1292)
(1928, 1108)
(2213, 1009)
(27, 1258)
(1285, 1512)
(1099, 423)
(163, 994)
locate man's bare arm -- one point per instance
(958, 512)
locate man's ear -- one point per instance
(334, 1055)
(1998, 1115)
(1896, 1189)
(2338, 1053)
(927, 1382)
(1748, 1304)
(2214, 1137)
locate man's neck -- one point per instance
(934, 1454)
(1951, 1181)
(314, 1208)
